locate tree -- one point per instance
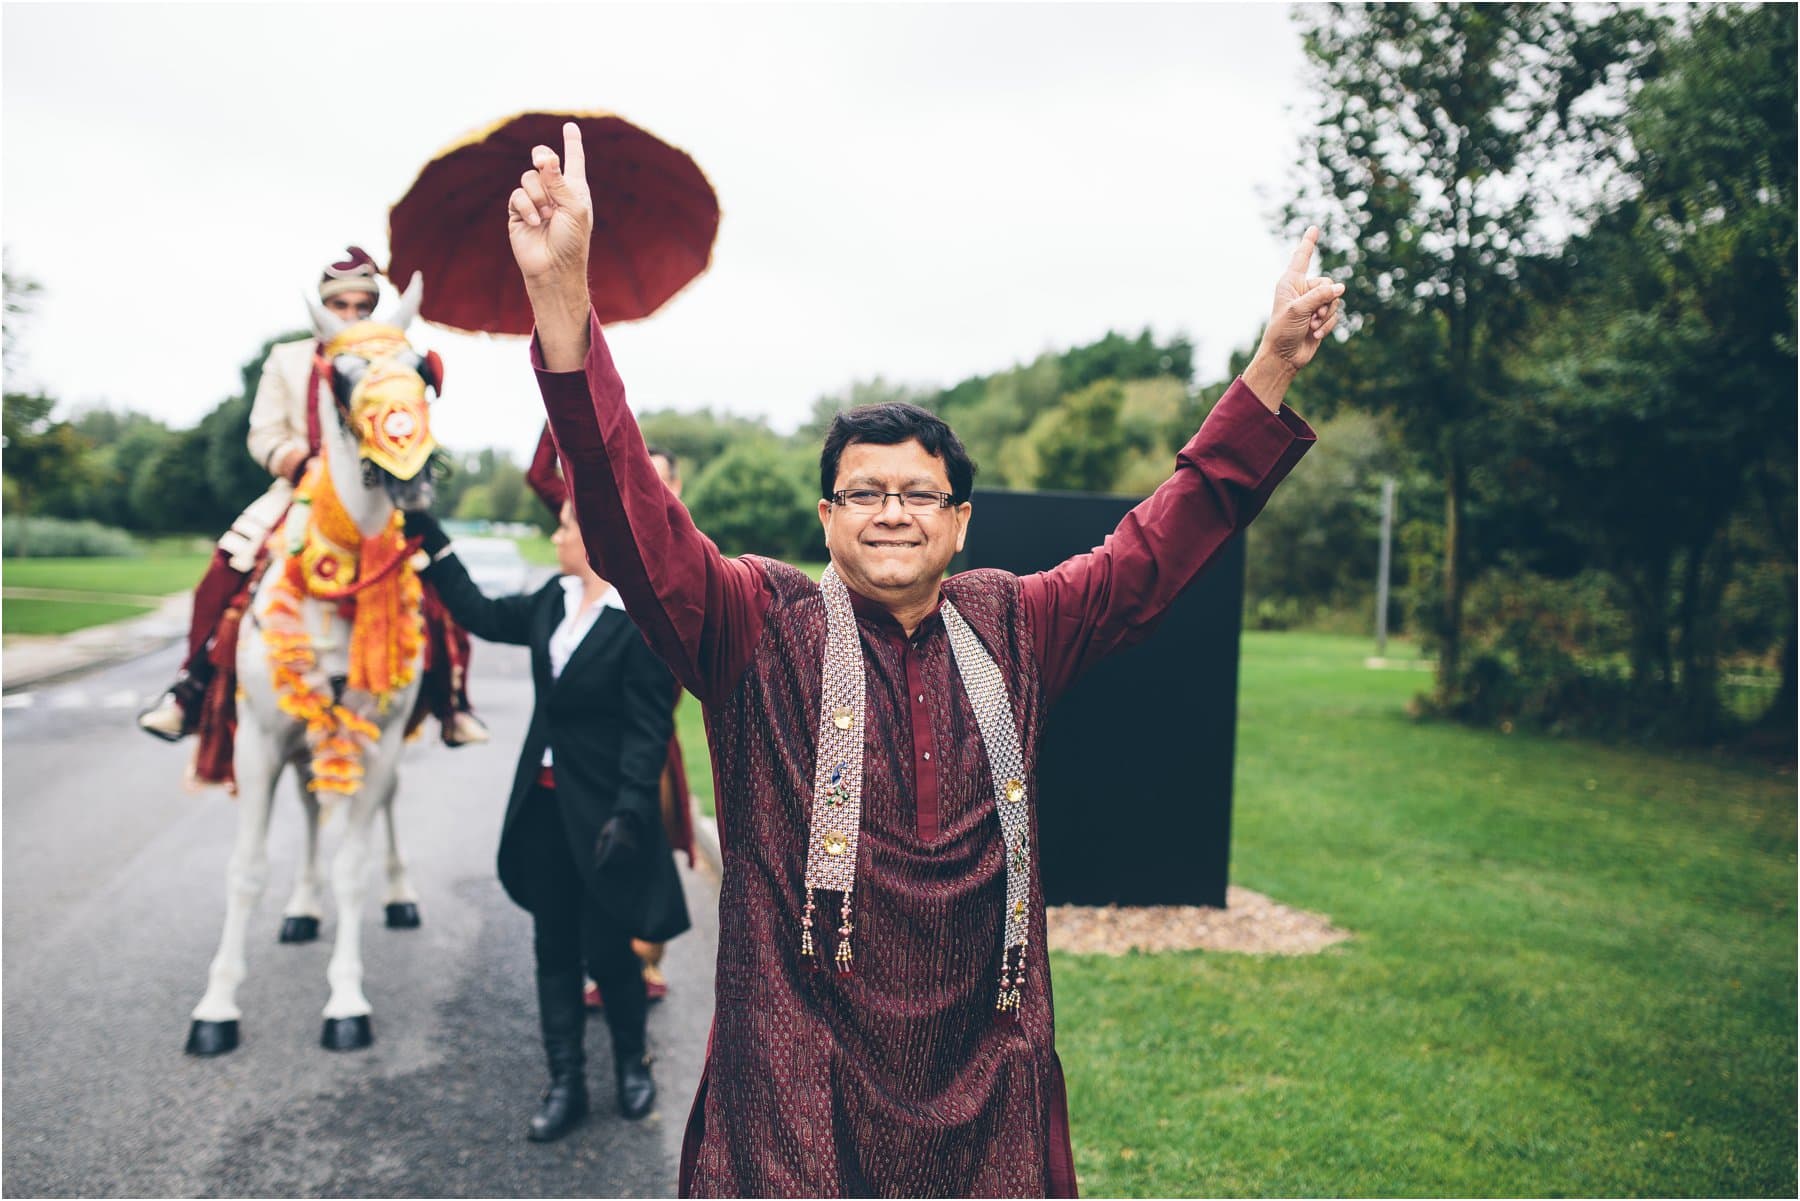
(1117, 357)
(760, 498)
(1447, 139)
(20, 298)
(697, 438)
(476, 503)
(233, 477)
(861, 392)
(169, 493)
(1668, 370)
(1079, 445)
(41, 456)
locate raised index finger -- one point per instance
(574, 158)
(1303, 254)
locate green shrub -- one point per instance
(1550, 655)
(52, 537)
(760, 498)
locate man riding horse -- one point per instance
(326, 664)
(284, 440)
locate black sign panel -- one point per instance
(1134, 770)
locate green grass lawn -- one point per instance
(1573, 970)
(171, 566)
(23, 616)
(156, 574)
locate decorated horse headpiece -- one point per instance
(383, 386)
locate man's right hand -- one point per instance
(288, 466)
(550, 220)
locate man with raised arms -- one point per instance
(883, 1021)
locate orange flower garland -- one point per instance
(333, 562)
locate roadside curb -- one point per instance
(31, 662)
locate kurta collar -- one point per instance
(877, 616)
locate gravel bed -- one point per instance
(1250, 923)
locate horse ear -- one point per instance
(433, 371)
(326, 324)
(409, 303)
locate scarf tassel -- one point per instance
(845, 957)
(806, 938)
(1006, 1004)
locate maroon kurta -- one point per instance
(900, 1080)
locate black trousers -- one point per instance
(571, 929)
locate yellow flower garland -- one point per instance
(333, 562)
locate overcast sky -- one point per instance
(922, 192)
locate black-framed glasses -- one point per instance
(866, 499)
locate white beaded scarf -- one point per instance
(832, 841)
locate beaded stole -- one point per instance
(838, 778)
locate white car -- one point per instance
(495, 565)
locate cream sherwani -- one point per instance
(277, 427)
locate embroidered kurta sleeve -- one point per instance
(1111, 597)
(700, 611)
(544, 478)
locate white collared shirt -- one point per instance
(575, 625)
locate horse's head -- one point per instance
(383, 389)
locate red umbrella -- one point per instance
(655, 217)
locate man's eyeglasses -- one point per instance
(870, 498)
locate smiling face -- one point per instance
(894, 555)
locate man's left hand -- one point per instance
(617, 847)
(1307, 308)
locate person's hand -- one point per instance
(1307, 308)
(617, 847)
(422, 525)
(549, 220)
(288, 466)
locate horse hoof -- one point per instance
(346, 1034)
(299, 929)
(402, 915)
(212, 1038)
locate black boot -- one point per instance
(631, 1066)
(637, 1091)
(626, 1011)
(562, 1014)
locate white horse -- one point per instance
(317, 690)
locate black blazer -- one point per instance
(608, 718)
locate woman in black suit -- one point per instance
(582, 847)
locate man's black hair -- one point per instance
(889, 425)
(657, 452)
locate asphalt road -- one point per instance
(113, 895)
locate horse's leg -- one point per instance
(402, 906)
(257, 766)
(300, 917)
(347, 1011)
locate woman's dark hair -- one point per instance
(889, 425)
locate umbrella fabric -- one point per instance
(655, 217)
